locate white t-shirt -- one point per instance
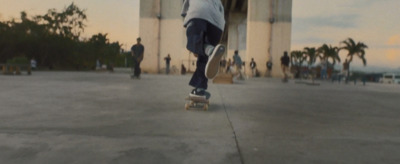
(209, 10)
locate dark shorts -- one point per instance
(200, 32)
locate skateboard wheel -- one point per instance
(187, 106)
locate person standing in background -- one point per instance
(137, 52)
(253, 67)
(269, 68)
(167, 63)
(33, 64)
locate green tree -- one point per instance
(53, 40)
(103, 49)
(311, 54)
(69, 23)
(354, 49)
(297, 58)
(329, 53)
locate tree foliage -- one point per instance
(54, 40)
(311, 55)
(354, 49)
(297, 58)
(329, 53)
(68, 23)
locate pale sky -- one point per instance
(374, 22)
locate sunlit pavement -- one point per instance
(105, 118)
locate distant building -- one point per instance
(259, 29)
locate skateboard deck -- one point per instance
(195, 102)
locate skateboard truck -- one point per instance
(193, 102)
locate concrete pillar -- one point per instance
(149, 30)
(281, 32)
(162, 33)
(268, 33)
(258, 28)
(237, 31)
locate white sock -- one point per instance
(208, 49)
(200, 89)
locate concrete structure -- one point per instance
(259, 29)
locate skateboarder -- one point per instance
(204, 22)
(285, 65)
(238, 63)
(137, 51)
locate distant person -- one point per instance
(345, 70)
(253, 66)
(285, 65)
(205, 22)
(229, 66)
(238, 63)
(137, 52)
(33, 64)
(110, 67)
(223, 65)
(183, 69)
(167, 63)
(324, 68)
(98, 64)
(269, 68)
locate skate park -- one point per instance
(85, 117)
(91, 117)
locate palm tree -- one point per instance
(297, 58)
(311, 54)
(326, 52)
(354, 49)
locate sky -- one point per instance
(315, 22)
(373, 22)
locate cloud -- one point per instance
(343, 21)
(394, 40)
(393, 55)
(365, 3)
(311, 40)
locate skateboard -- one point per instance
(195, 102)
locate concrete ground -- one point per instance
(104, 118)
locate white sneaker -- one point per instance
(214, 59)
